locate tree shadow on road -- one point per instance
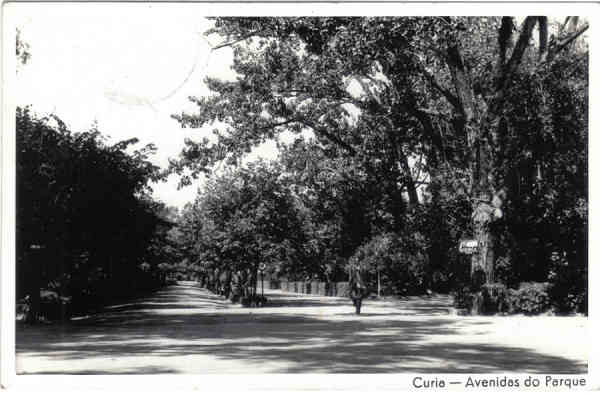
(412, 305)
(292, 343)
(124, 371)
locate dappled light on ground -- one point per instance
(186, 329)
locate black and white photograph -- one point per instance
(203, 193)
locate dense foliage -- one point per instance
(87, 228)
(410, 134)
(397, 137)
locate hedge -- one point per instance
(321, 288)
(530, 298)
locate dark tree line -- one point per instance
(87, 229)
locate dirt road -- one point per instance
(185, 329)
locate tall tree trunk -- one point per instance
(483, 210)
(484, 131)
(482, 262)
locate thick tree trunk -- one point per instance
(484, 213)
(483, 127)
(482, 262)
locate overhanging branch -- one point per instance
(562, 44)
(243, 38)
(452, 99)
(520, 47)
(505, 38)
(331, 137)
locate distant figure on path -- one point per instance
(215, 282)
(236, 287)
(357, 288)
(225, 283)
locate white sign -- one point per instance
(468, 246)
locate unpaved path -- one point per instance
(185, 329)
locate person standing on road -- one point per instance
(357, 288)
(236, 286)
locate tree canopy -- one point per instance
(86, 223)
(400, 121)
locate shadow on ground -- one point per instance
(341, 343)
(126, 371)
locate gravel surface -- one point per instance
(186, 329)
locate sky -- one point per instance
(128, 68)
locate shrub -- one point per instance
(54, 307)
(504, 271)
(487, 298)
(463, 298)
(275, 284)
(529, 299)
(494, 298)
(568, 291)
(254, 301)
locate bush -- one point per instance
(54, 307)
(529, 299)
(504, 271)
(463, 298)
(254, 301)
(568, 292)
(275, 284)
(488, 298)
(400, 261)
(494, 298)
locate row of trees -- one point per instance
(87, 228)
(410, 134)
(304, 229)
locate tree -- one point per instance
(245, 217)
(86, 223)
(437, 89)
